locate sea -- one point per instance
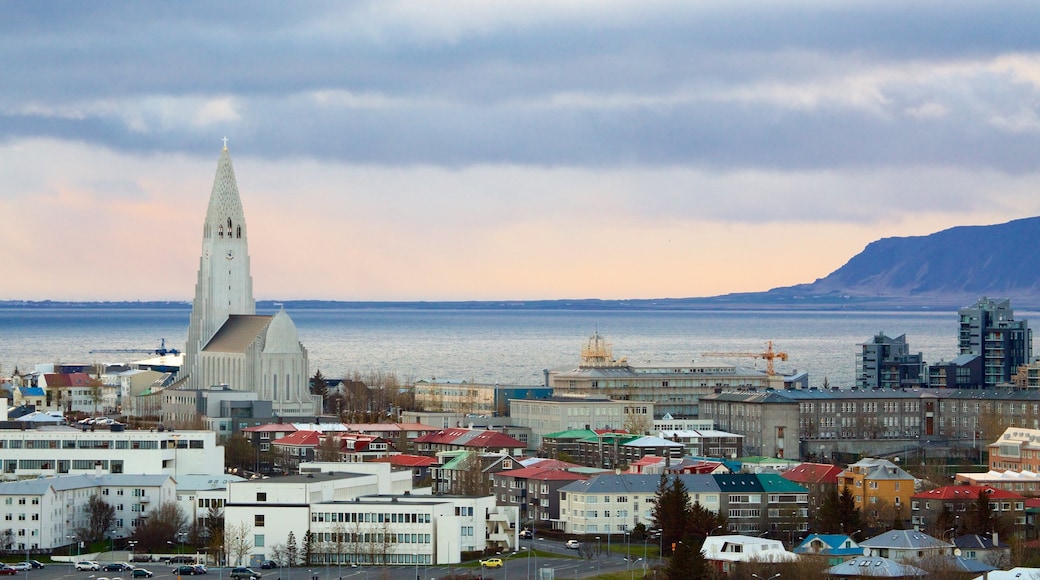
(504, 346)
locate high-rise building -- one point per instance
(988, 328)
(228, 343)
(887, 363)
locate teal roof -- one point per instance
(571, 434)
(773, 483)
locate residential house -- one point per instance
(835, 548)
(876, 483)
(907, 546)
(707, 442)
(478, 440)
(725, 553)
(820, 479)
(873, 567)
(456, 472)
(926, 506)
(1017, 449)
(535, 490)
(986, 549)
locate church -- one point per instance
(229, 344)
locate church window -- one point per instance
(274, 387)
(238, 232)
(229, 226)
(221, 232)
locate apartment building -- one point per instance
(926, 506)
(887, 362)
(65, 450)
(988, 328)
(876, 482)
(1016, 449)
(44, 513)
(552, 415)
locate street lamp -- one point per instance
(777, 575)
(132, 543)
(715, 529)
(75, 541)
(599, 553)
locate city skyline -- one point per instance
(499, 151)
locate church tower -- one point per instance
(224, 286)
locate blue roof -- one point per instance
(32, 391)
(836, 545)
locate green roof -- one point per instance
(609, 438)
(772, 483)
(571, 434)
(759, 459)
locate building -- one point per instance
(926, 506)
(466, 398)
(675, 388)
(726, 552)
(1026, 483)
(566, 413)
(988, 328)
(764, 502)
(356, 518)
(907, 546)
(228, 343)
(767, 420)
(820, 479)
(836, 548)
(45, 513)
(1016, 449)
(468, 440)
(876, 483)
(873, 567)
(963, 372)
(65, 450)
(888, 364)
(707, 442)
(535, 490)
(463, 472)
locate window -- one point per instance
(261, 496)
(258, 540)
(258, 520)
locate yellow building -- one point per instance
(880, 488)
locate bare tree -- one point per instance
(471, 477)
(238, 540)
(100, 517)
(328, 449)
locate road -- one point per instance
(564, 568)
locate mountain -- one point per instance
(947, 269)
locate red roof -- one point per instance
(542, 474)
(553, 463)
(968, 492)
(299, 439)
(471, 438)
(67, 379)
(647, 460)
(813, 473)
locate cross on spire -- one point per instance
(225, 143)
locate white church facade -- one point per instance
(229, 344)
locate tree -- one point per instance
(701, 522)
(239, 452)
(320, 387)
(687, 561)
(213, 527)
(828, 518)
(980, 518)
(472, 479)
(671, 510)
(307, 550)
(162, 525)
(238, 541)
(848, 514)
(96, 390)
(328, 449)
(292, 552)
(100, 517)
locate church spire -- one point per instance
(225, 285)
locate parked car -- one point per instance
(526, 534)
(21, 566)
(573, 544)
(186, 570)
(36, 564)
(491, 563)
(87, 566)
(202, 569)
(117, 567)
(269, 565)
(241, 573)
(141, 573)
(7, 570)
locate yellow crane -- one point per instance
(769, 355)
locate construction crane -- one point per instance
(161, 351)
(769, 355)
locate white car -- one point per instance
(573, 544)
(21, 566)
(87, 566)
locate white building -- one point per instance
(65, 450)
(355, 519)
(615, 503)
(43, 513)
(544, 416)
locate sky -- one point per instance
(504, 150)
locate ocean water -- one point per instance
(494, 346)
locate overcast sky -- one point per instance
(504, 150)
